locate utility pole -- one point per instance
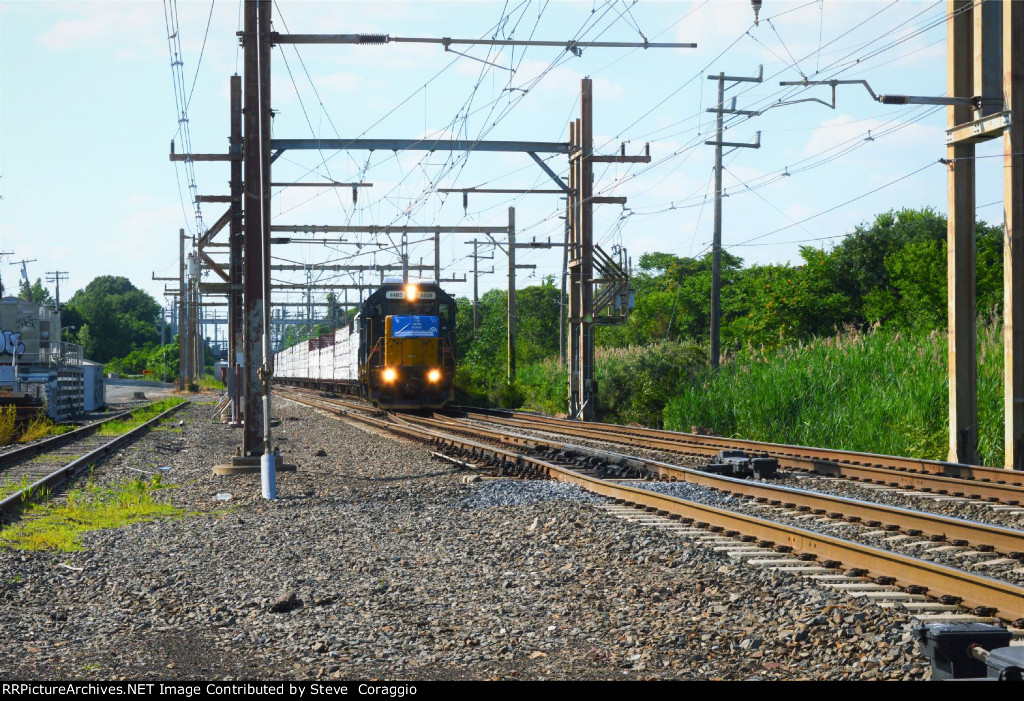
(2, 254)
(511, 369)
(581, 261)
(437, 257)
(24, 275)
(561, 297)
(256, 206)
(56, 277)
(1013, 246)
(960, 241)
(476, 274)
(236, 308)
(192, 319)
(583, 312)
(716, 244)
(182, 327)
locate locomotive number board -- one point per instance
(400, 294)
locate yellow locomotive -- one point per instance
(398, 352)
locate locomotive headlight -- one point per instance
(411, 293)
(434, 375)
(389, 375)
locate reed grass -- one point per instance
(873, 391)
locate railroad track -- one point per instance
(928, 476)
(933, 588)
(33, 469)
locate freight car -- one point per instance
(398, 352)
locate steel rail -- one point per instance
(955, 486)
(1005, 540)
(942, 468)
(33, 449)
(939, 580)
(14, 502)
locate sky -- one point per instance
(89, 106)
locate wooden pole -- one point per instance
(960, 259)
(588, 388)
(716, 240)
(511, 378)
(1013, 239)
(182, 326)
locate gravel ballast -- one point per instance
(377, 561)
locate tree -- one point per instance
(36, 292)
(119, 316)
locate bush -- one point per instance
(633, 384)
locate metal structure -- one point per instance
(985, 84)
(583, 314)
(716, 244)
(981, 39)
(246, 282)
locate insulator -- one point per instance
(756, 4)
(894, 99)
(372, 39)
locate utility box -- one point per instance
(948, 645)
(95, 385)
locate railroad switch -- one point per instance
(970, 651)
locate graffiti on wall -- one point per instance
(10, 343)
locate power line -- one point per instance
(832, 208)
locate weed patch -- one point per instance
(60, 526)
(139, 417)
(8, 417)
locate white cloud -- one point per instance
(844, 129)
(102, 22)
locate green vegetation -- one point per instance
(845, 350)
(139, 417)
(8, 422)
(42, 426)
(111, 315)
(208, 381)
(879, 391)
(892, 271)
(162, 360)
(481, 375)
(60, 526)
(9, 486)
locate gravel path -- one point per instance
(393, 568)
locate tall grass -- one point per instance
(876, 391)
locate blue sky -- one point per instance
(87, 113)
